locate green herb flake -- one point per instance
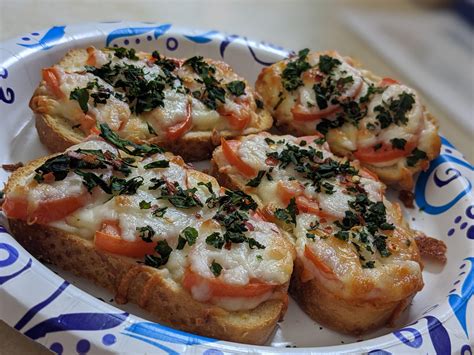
(236, 87)
(163, 250)
(216, 240)
(288, 214)
(158, 164)
(145, 205)
(256, 180)
(146, 233)
(398, 143)
(188, 235)
(81, 95)
(215, 268)
(415, 156)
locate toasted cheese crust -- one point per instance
(351, 242)
(379, 121)
(145, 98)
(157, 210)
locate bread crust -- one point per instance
(347, 316)
(166, 300)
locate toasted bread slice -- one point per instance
(147, 99)
(357, 264)
(132, 242)
(376, 120)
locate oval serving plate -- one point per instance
(68, 314)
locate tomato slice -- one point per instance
(288, 190)
(47, 210)
(15, 207)
(108, 239)
(320, 265)
(385, 153)
(302, 115)
(229, 149)
(219, 288)
(237, 120)
(52, 79)
(176, 131)
(388, 81)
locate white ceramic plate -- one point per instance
(69, 315)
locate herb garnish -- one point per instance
(122, 52)
(415, 156)
(288, 214)
(395, 111)
(291, 74)
(163, 250)
(146, 233)
(81, 95)
(216, 268)
(257, 179)
(398, 143)
(216, 240)
(236, 87)
(157, 164)
(188, 235)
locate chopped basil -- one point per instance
(398, 143)
(259, 103)
(369, 265)
(378, 146)
(178, 197)
(288, 214)
(188, 235)
(145, 205)
(163, 250)
(216, 268)
(216, 240)
(291, 74)
(159, 212)
(125, 145)
(146, 233)
(236, 87)
(256, 180)
(327, 63)
(122, 52)
(415, 156)
(395, 110)
(157, 164)
(310, 236)
(81, 95)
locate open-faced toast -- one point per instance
(182, 105)
(378, 121)
(357, 266)
(155, 232)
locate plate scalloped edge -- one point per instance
(66, 319)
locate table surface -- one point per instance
(293, 24)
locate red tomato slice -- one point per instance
(288, 190)
(108, 239)
(16, 208)
(176, 131)
(219, 288)
(52, 78)
(229, 149)
(47, 210)
(385, 153)
(308, 253)
(388, 81)
(307, 205)
(237, 120)
(301, 115)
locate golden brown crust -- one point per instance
(352, 317)
(167, 301)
